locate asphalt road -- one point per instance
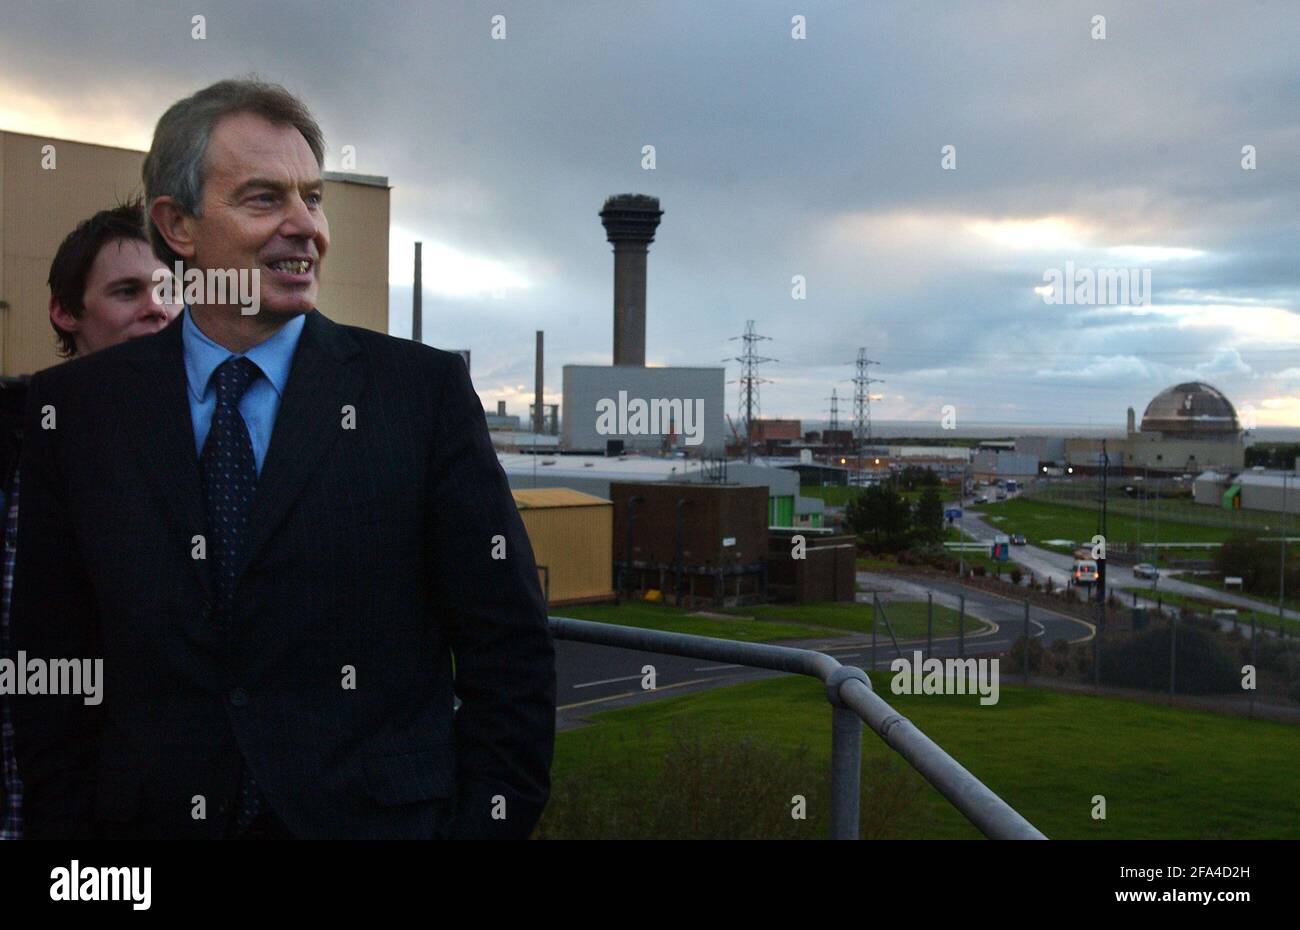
(1045, 563)
(593, 678)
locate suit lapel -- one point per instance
(325, 375)
(156, 412)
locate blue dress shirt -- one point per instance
(260, 402)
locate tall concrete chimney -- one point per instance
(417, 299)
(539, 411)
(630, 222)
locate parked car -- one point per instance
(1085, 573)
(982, 499)
(1145, 570)
(1017, 539)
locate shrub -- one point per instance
(709, 785)
(1016, 576)
(1015, 661)
(1204, 665)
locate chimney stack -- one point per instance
(417, 300)
(630, 222)
(539, 411)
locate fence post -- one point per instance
(1254, 663)
(1026, 642)
(961, 628)
(875, 605)
(929, 623)
(1173, 658)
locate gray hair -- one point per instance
(175, 165)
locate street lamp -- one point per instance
(1281, 568)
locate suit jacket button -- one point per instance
(238, 697)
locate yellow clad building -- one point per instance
(572, 535)
(48, 186)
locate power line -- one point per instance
(749, 381)
(862, 382)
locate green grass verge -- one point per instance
(1165, 773)
(1043, 520)
(677, 620)
(908, 618)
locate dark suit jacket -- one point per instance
(370, 549)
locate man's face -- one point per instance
(261, 207)
(119, 299)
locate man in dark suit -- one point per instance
(287, 558)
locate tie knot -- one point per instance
(234, 375)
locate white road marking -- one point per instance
(607, 681)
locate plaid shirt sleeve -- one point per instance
(11, 823)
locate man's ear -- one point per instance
(173, 225)
(62, 319)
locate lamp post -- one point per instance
(1281, 566)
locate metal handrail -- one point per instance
(852, 702)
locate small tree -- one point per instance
(928, 518)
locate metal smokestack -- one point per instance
(417, 301)
(539, 411)
(630, 222)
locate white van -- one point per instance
(1085, 572)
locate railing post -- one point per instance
(846, 757)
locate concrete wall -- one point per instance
(585, 386)
(39, 207)
(1153, 451)
(1265, 492)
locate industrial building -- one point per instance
(1256, 489)
(40, 205)
(826, 572)
(571, 534)
(679, 408)
(594, 474)
(699, 544)
(627, 405)
(1186, 429)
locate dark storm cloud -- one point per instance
(777, 157)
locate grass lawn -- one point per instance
(839, 495)
(1043, 520)
(1165, 773)
(1215, 583)
(1267, 618)
(876, 563)
(908, 618)
(677, 620)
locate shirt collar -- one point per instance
(274, 355)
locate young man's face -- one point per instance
(261, 206)
(119, 300)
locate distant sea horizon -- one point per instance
(883, 430)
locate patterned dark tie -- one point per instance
(229, 479)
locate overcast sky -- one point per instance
(778, 157)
